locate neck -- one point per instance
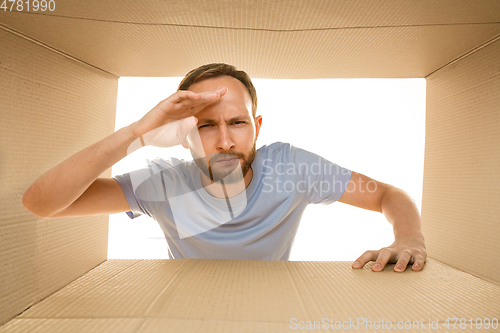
(220, 190)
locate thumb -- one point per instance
(185, 127)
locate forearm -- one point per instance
(402, 212)
(60, 186)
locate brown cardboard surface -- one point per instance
(51, 106)
(191, 295)
(460, 209)
(269, 39)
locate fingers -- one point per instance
(416, 257)
(382, 257)
(187, 97)
(181, 95)
(365, 257)
(182, 104)
(185, 103)
(382, 260)
(390, 255)
(419, 261)
(404, 259)
(185, 127)
(219, 92)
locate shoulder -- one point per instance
(171, 166)
(284, 151)
(276, 148)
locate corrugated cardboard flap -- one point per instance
(268, 39)
(250, 296)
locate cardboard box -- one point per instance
(186, 295)
(58, 81)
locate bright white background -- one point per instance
(372, 126)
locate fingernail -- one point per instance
(399, 267)
(377, 266)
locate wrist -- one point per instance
(416, 237)
(134, 130)
(135, 141)
(142, 141)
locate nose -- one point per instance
(224, 140)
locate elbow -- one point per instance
(394, 198)
(387, 196)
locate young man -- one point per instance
(232, 201)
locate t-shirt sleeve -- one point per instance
(324, 181)
(134, 204)
(144, 191)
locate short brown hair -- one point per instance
(216, 70)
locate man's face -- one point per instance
(227, 130)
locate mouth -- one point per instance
(227, 160)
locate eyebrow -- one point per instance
(211, 121)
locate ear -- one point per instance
(258, 124)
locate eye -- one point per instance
(239, 122)
(203, 126)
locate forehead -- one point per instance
(236, 101)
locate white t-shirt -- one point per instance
(260, 223)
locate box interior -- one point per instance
(200, 295)
(59, 73)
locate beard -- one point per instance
(226, 174)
